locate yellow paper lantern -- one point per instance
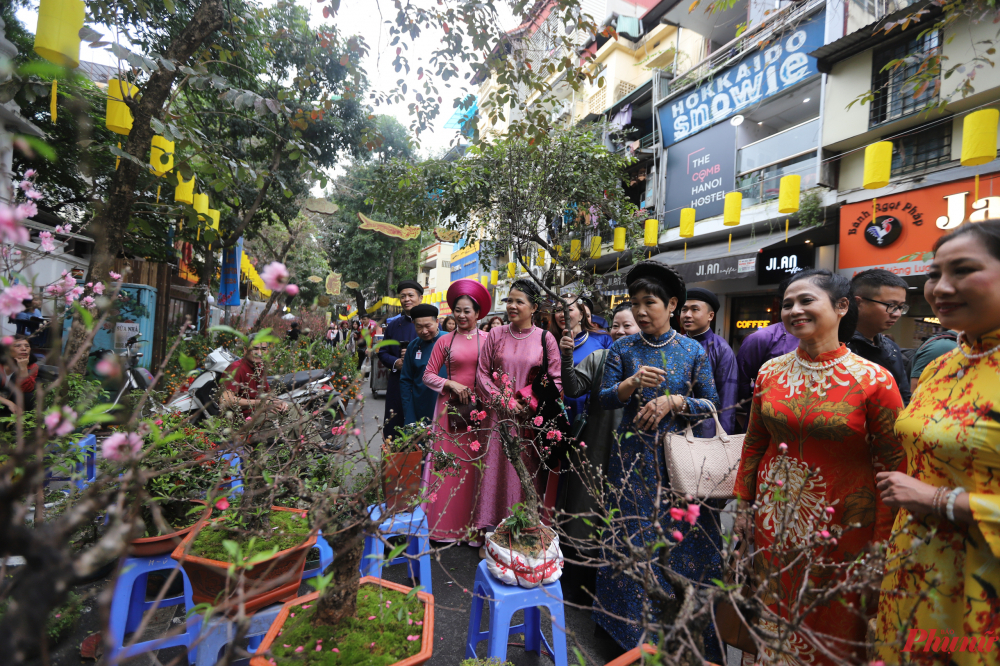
(201, 205)
(161, 155)
(687, 222)
(558, 249)
(979, 137)
(213, 215)
(595, 247)
(485, 281)
(511, 270)
(494, 277)
(117, 115)
(574, 250)
(788, 194)
(731, 212)
(651, 233)
(57, 37)
(541, 257)
(184, 192)
(619, 244)
(878, 165)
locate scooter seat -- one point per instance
(294, 380)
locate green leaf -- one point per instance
(39, 146)
(169, 4)
(228, 329)
(233, 549)
(187, 363)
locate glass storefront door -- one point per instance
(750, 313)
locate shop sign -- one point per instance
(753, 323)
(725, 267)
(782, 261)
(700, 171)
(905, 226)
(780, 64)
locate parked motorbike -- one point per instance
(307, 391)
(136, 378)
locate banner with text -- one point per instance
(779, 65)
(229, 282)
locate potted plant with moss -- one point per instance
(348, 619)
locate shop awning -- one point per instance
(718, 262)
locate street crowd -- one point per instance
(898, 440)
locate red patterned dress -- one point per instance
(835, 414)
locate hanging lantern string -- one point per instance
(54, 102)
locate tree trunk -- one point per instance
(112, 219)
(340, 600)
(257, 498)
(512, 450)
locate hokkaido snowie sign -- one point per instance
(778, 65)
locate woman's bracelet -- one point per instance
(952, 496)
(936, 502)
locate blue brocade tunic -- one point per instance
(588, 344)
(697, 557)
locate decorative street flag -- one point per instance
(229, 289)
(406, 233)
(333, 284)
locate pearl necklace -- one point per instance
(510, 331)
(576, 345)
(972, 357)
(657, 345)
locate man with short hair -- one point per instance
(401, 331)
(419, 400)
(881, 299)
(697, 317)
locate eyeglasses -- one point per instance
(891, 308)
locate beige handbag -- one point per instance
(701, 467)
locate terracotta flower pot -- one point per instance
(634, 655)
(401, 478)
(208, 577)
(426, 637)
(165, 543)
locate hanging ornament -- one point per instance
(574, 250)
(213, 215)
(619, 242)
(117, 115)
(731, 212)
(878, 169)
(687, 223)
(511, 270)
(161, 155)
(494, 277)
(118, 160)
(789, 193)
(57, 38)
(979, 140)
(651, 233)
(184, 192)
(485, 281)
(540, 261)
(201, 205)
(595, 247)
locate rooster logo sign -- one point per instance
(883, 231)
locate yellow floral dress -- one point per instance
(951, 434)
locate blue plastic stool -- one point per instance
(129, 603)
(236, 475)
(505, 600)
(86, 471)
(220, 632)
(412, 525)
(325, 557)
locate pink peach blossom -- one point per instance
(121, 445)
(222, 504)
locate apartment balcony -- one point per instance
(734, 49)
(761, 165)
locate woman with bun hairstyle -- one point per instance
(661, 380)
(510, 353)
(580, 338)
(821, 427)
(449, 513)
(946, 563)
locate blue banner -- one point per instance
(229, 283)
(772, 70)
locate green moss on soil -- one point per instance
(378, 642)
(291, 531)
